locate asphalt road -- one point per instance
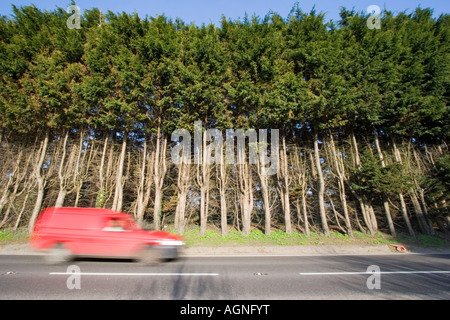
(395, 276)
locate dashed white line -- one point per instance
(370, 273)
(130, 274)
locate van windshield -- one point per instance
(129, 224)
(121, 224)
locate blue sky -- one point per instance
(207, 11)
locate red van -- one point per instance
(65, 233)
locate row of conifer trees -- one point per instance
(87, 116)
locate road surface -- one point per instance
(391, 276)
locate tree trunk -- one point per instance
(246, 193)
(366, 208)
(183, 189)
(425, 210)
(263, 179)
(19, 217)
(62, 187)
(222, 180)
(339, 167)
(405, 215)
(101, 195)
(118, 193)
(157, 213)
(159, 175)
(203, 213)
(60, 199)
(6, 196)
(387, 210)
(300, 175)
(139, 208)
(424, 223)
(283, 186)
(203, 176)
(368, 219)
(420, 209)
(145, 183)
(82, 166)
(321, 183)
(22, 180)
(357, 160)
(41, 182)
(305, 212)
(404, 211)
(4, 201)
(301, 181)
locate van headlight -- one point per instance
(170, 243)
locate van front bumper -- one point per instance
(170, 252)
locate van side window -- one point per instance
(113, 225)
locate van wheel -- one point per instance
(150, 256)
(58, 254)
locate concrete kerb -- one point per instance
(16, 249)
(286, 250)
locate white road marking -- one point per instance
(130, 274)
(371, 273)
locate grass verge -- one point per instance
(11, 236)
(213, 238)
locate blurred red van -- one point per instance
(65, 233)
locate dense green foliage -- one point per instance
(109, 95)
